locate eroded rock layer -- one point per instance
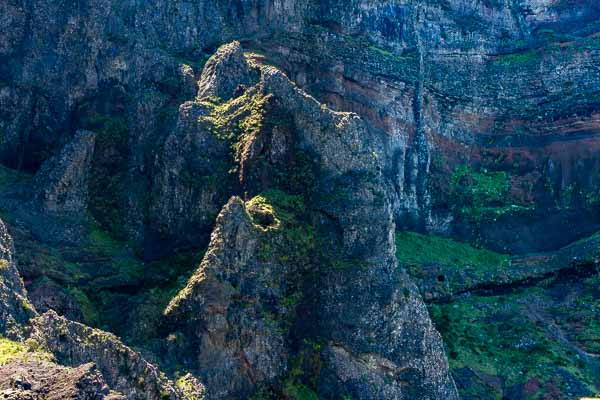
(230, 211)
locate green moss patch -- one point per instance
(481, 195)
(416, 249)
(444, 267)
(493, 336)
(11, 350)
(515, 59)
(281, 212)
(237, 120)
(535, 339)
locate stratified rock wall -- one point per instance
(495, 85)
(337, 122)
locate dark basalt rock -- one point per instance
(15, 308)
(497, 86)
(225, 72)
(232, 312)
(62, 182)
(374, 337)
(340, 121)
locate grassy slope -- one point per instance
(532, 340)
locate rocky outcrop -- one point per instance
(224, 73)
(123, 369)
(233, 311)
(401, 66)
(15, 308)
(371, 333)
(46, 294)
(36, 380)
(62, 182)
(504, 117)
(193, 178)
(477, 120)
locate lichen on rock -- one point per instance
(310, 267)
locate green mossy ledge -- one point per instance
(523, 325)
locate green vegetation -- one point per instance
(275, 206)
(517, 59)
(184, 384)
(381, 51)
(143, 289)
(108, 172)
(237, 120)
(416, 249)
(304, 368)
(445, 267)
(278, 211)
(480, 195)
(299, 392)
(496, 336)
(88, 310)
(300, 176)
(112, 286)
(10, 350)
(103, 242)
(581, 318)
(478, 189)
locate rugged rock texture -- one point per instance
(62, 182)
(476, 120)
(254, 295)
(46, 294)
(224, 73)
(33, 380)
(124, 370)
(233, 311)
(15, 308)
(486, 84)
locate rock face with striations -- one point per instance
(337, 122)
(15, 308)
(62, 181)
(453, 83)
(299, 265)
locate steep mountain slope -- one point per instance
(229, 210)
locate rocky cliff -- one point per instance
(227, 186)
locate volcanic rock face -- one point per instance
(453, 83)
(63, 180)
(123, 369)
(15, 308)
(254, 295)
(122, 142)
